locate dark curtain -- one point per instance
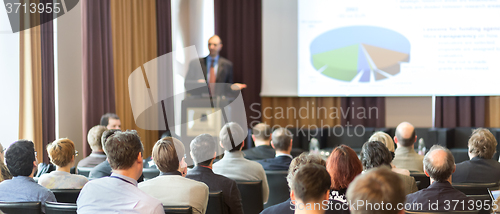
(98, 78)
(365, 111)
(164, 37)
(454, 112)
(48, 102)
(239, 25)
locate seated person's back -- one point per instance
(261, 135)
(203, 152)
(376, 154)
(233, 165)
(439, 165)
(481, 168)
(21, 162)
(119, 193)
(94, 139)
(288, 207)
(282, 143)
(62, 154)
(310, 187)
(168, 155)
(377, 186)
(405, 155)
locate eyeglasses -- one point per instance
(76, 153)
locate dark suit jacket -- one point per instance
(287, 208)
(260, 152)
(94, 159)
(277, 163)
(441, 193)
(104, 170)
(224, 73)
(477, 170)
(215, 182)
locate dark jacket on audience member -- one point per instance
(288, 207)
(94, 159)
(260, 152)
(439, 194)
(215, 182)
(281, 162)
(477, 170)
(104, 170)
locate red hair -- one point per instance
(343, 166)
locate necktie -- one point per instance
(211, 81)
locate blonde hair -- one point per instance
(482, 143)
(61, 152)
(383, 138)
(94, 137)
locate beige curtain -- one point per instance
(30, 85)
(305, 112)
(134, 40)
(493, 111)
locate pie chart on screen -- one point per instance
(359, 53)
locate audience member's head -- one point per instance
(343, 166)
(311, 184)
(405, 135)
(168, 154)
(261, 134)
(20, 158)
(1, 152)
(4, 172)
(482, 144)
(203, 148)
(384, 138)
(124, 151)
(62, 152)
(105, 135)
(94, 137)
(377, 186)
(439, 164)
(232, 137)
(110, 121)
(375, 154)
(282, 140)
(303, 159)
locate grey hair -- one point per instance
(235, 132)
(439, 173)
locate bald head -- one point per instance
(214, 45)
(405, 134)
(439, 163)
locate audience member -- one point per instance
(261, 135)
(389, 143)
(288, 207)
(203, 152)
(111, 121)
(104, 169)
(168, 154)
(377, 191)
(21, 162)
(62, 154)
(375, 154)
(282, 143)
(4, 171)
(439, 165)
(343, 166)
(233, 165)
(94, 139)
(310, 189)
(405, 155)
(481, 168)
(119, 193)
